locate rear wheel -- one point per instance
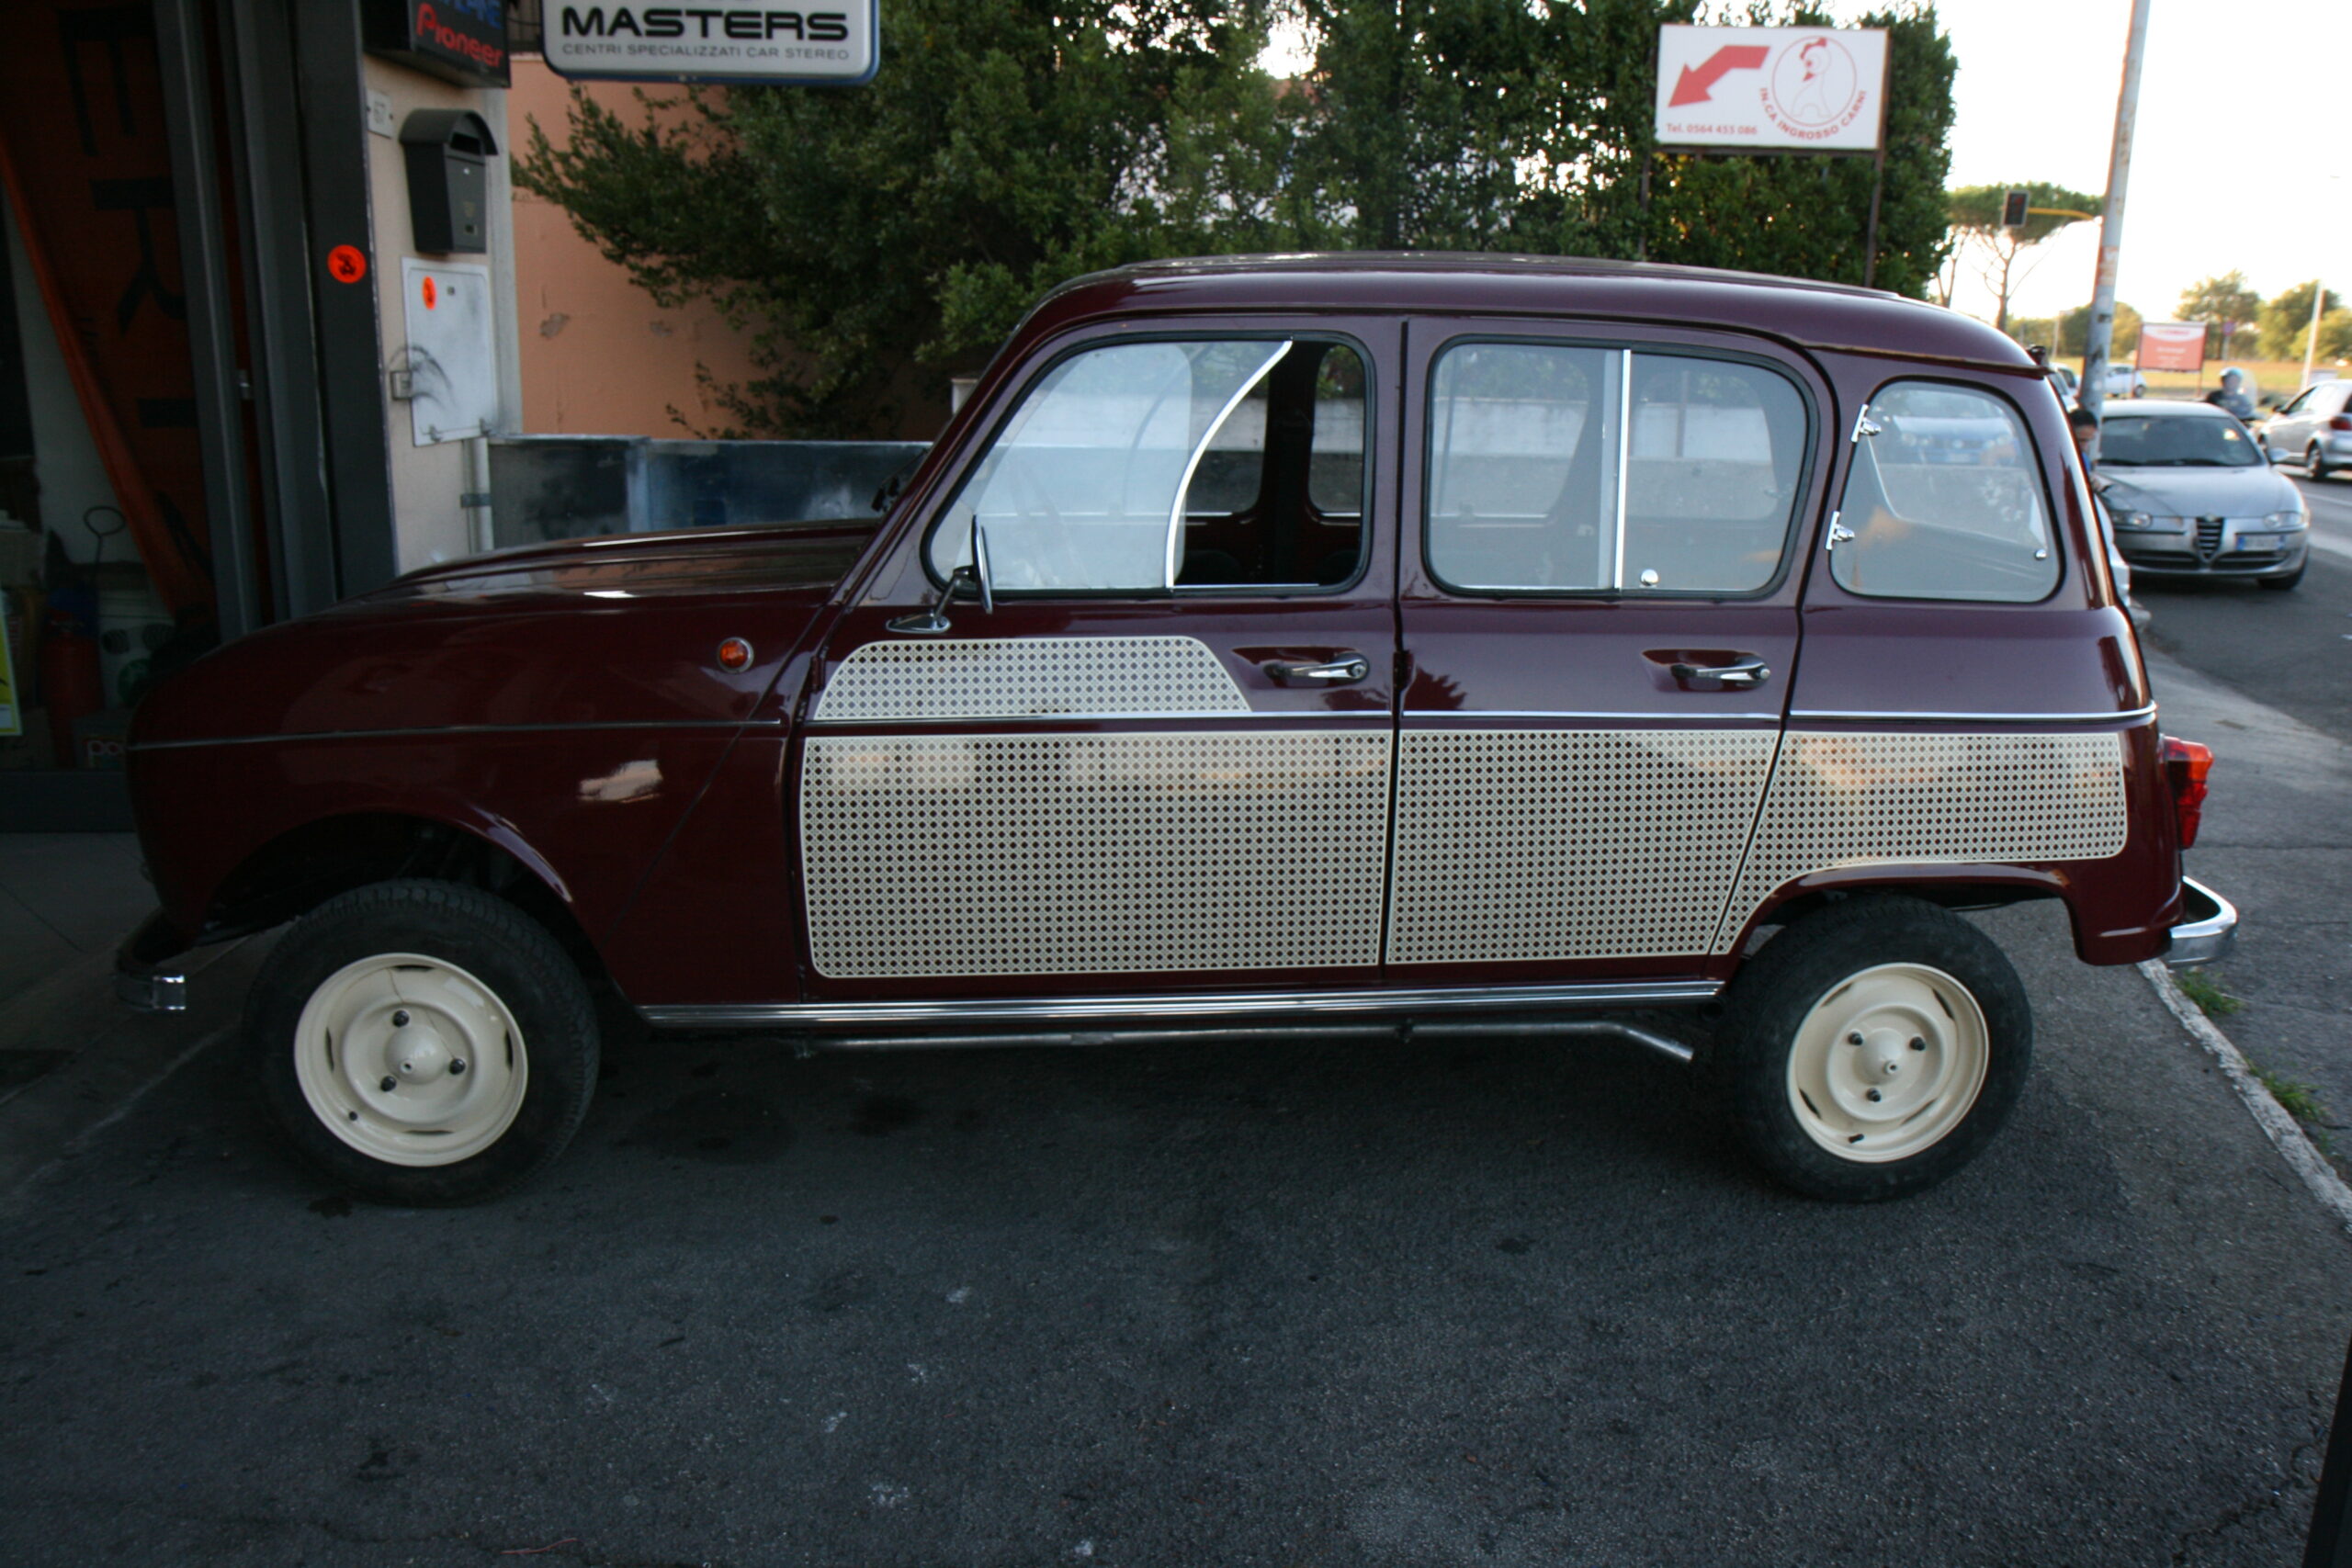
(423, 1042)
(1874, 1048)
(2316, 462)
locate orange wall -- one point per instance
(598, 356)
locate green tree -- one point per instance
(1006, 145)
(1999, 253)
(874, 238)
(2074, 334)
(2287, 321)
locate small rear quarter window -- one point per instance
(1944, 500)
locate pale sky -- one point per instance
(2242, 115)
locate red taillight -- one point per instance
(2341, 421)
(2186, 765)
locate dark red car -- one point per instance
(1305, 644)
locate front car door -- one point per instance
(1599, 608)
(1160, 762)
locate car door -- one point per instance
(2291, 427)
(1159, 760)
(1598, 611)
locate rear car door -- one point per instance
(1598, 609)
(1160, 760)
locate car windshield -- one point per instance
(2125, 441)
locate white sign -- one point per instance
(451, 361)
(829, 42)
(1818, 88)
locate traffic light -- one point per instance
(2013, 208)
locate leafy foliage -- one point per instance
(2286, 322)
(874, 238)
(2225, 301)
(1997, 252)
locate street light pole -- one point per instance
(2310, 338)
(2093, 391)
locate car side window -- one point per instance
(1135, 466)
(1943, 501)
(1569, 469)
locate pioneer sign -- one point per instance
(832, 42)
(1816, 89)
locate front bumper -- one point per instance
(2178, 558)
(2208, 932)
(149, 975)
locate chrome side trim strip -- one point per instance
(1531, 1029)
(1675, 718)
(2129, 715)
(438, 731)
(1307, 1007)
(1372, 716)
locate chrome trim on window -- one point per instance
(1200, 450)
(1307, 1007)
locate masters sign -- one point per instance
(831, 41)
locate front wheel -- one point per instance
(423, 1042)
(1873, 1048)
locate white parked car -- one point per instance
(2315, 430)
(2125, 381)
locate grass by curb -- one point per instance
(2278, 1123)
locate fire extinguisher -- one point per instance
(70, 681)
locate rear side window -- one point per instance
(1563, 469)
(1943, 501)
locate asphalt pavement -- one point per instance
(1259, 1303)
(2266, 680)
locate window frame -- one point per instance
(975, 452)
(1799, 499)
(2038, 469)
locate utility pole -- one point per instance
(2093, 391)
(2311, 339)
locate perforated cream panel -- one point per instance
(1026, 678)
(1863, 799)
(965, 855)
(1554, 844)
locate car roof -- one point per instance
(1811, 315)
(2169, 408)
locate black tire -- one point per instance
(2280, 584)
(1812, 964)
(553, 1037)
(2315, 463)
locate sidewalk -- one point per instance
(71, 1057)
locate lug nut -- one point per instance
(1855, 1038)
(1875, 1097)
(1917, 1044)
(457, 1067)
(389, 1083)
(399, 1019)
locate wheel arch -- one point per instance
(1951, 887)
(300, 868)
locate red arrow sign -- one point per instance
(1693, 87)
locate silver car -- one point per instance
(2192, 496)
(2315, 430)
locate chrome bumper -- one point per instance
(2210, 931)
(148, 974)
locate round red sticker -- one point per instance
(432, 292)
(347, 263)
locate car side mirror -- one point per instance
(971, 581)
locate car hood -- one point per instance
(2198, 492)
(601, 632)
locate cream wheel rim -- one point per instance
(1888, 1061)
(411, 1060)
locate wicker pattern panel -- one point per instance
(1061, 855)
(1558, 844)
(1028, 678)
(1862, 799)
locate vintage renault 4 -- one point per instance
(1308, 643)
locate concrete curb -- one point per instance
(2283, 1130)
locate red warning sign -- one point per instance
(347, 263)
(432, 292)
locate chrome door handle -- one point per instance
(1344, 670)
(1748, 673)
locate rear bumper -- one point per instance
(2208, 932)
(149, 975)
